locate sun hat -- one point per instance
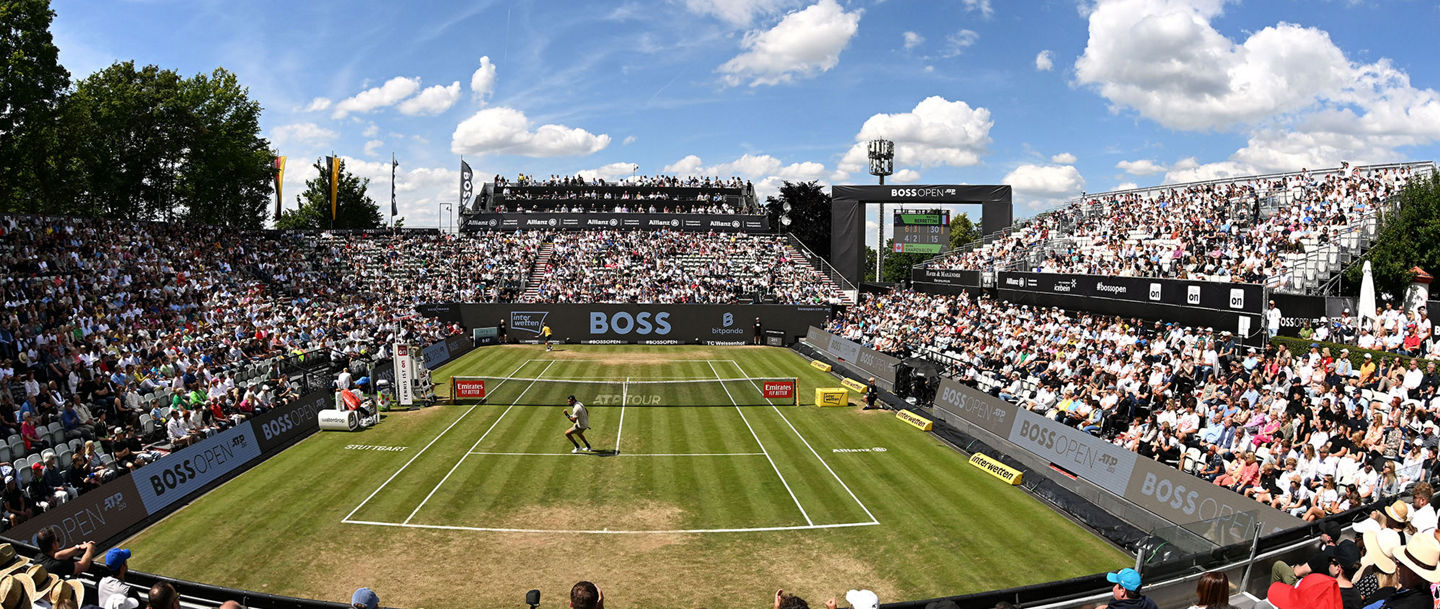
(1380, 547)
(1128, 579)
(1421, 555)
(862, 599)
(41, 584)
(1316, 591)
(1398, 511)
(12, 593)
(9, 560)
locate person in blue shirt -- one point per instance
(70, 420)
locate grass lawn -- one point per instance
(678, 506)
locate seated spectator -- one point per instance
(1126, 591)
(63, 562)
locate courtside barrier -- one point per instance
(832, 396)
(647, 324)
(854, 385)
(861, 361)
(995, 468)
(921, 423)
(821, 366)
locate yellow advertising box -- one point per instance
(831, 396)
(821, 366)
(854, 385)
(996, 468)
(922, 423)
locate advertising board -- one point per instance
(864, 362)
(1222, 296)
(653, 324)
(618, 221)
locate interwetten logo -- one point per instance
(528, 321)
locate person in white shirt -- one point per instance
(580, 417)
(1423, 515)
(178, 431)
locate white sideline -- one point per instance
(762, 447)
(427, 447)
(567, 454)
(614, 531)
(477, 442)
(624, 392)
(807, 445)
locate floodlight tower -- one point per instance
(882, 163)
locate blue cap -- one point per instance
(364, 380)
(366, 598)
(1128, 579)
(116, 557)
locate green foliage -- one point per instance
(1300, 346)
(809, 214)
(963, 231)
(355, 208)
(1410, 238)
(32, 84)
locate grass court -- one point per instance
(701, 494)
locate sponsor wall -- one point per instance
(1164, 491)
(592, 221)
(1237, 297)
(656, 324)
(107, 513)
(959, 278)
(854, 358)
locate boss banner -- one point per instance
(1236, 297)
(600, 221)
(1164, 491)
(651, 324)
(860, 360)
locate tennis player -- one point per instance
(545, 332)
(580, 417)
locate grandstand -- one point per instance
(158, 343)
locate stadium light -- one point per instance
(882, 163)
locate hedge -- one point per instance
(1299, 346)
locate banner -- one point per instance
(651, 324)
(1235, 297)
(334, 163)
(172, 478)
(436, 354)
(467, 185)
(946, 277)
(279, 185)
(605, 220)
(404, 375)
(279, 427)
(861, 361)
(1162, 490)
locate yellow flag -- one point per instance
(334, 184)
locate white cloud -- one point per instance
(956, 43)
(502, 130)
(905, 176)
(979, 5)
(371, 131)
(609, 172)
(433, 100)
(765, 172)
(687, 166)
(373, 146)
(482, 82)
(912, 39)
(1044, 61)
(318, 104)
(629, 139)
(1063, 158)
(937, 132)
(1126, 186)
(418, 191)
(300, 134)
(737, 12)
(1043, 185)
(1142, 167)
(388, 94)
(803, 44)
(1191, 170)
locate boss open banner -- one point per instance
(651, 324)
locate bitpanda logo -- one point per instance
(728, 320)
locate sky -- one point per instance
(1054, 97)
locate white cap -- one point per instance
(862, 599)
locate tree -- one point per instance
(354, 207)
(809, 214)
(963, 231)
(1410, 238)
(32, 85)
(227, 175)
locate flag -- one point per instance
(467, 187)
(393, 165)
(334, 163)
(279, 184)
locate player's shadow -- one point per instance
(603, 453)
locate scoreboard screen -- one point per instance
(922, 232)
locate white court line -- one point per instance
(477, 442)
(427, 447)
(614, 531)
(807, 443)
(762, 446)
(569, 454)
(624, 391)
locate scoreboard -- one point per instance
(919, 232)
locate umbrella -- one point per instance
(1365, 308)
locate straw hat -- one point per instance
(12, 593)
(1398, 511)
(1380, 547)
(41, 584)
(9, 560)
(1421, 555)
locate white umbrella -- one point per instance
(1365, 308)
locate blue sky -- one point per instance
(1052, 96)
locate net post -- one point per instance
(453, 399)
(795, 393)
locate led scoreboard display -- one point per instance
(922, 232)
